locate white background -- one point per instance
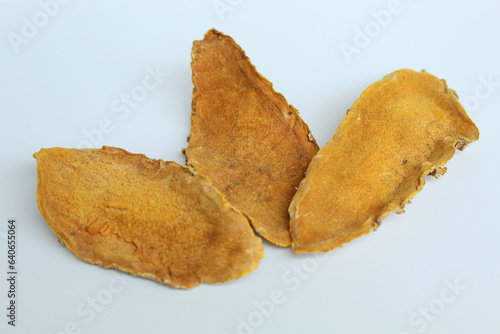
(63, 78)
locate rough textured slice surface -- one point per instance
(245, 137)
(147, 217)
(401, 129)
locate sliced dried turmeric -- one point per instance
(150, 218)
(401, 129)
(245, 137)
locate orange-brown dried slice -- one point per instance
(146, 217)
(245, 137)
(401, 129)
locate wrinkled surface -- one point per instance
(401, 129)
(245, 137)
(147, 217)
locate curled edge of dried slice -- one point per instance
(245, 136)
(449, 128)
(146, 217)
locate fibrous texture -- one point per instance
(401, 129)
(147, 217)
(245, 137)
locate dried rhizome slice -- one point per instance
(245, 137)
(146, 217)
(401, 129)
